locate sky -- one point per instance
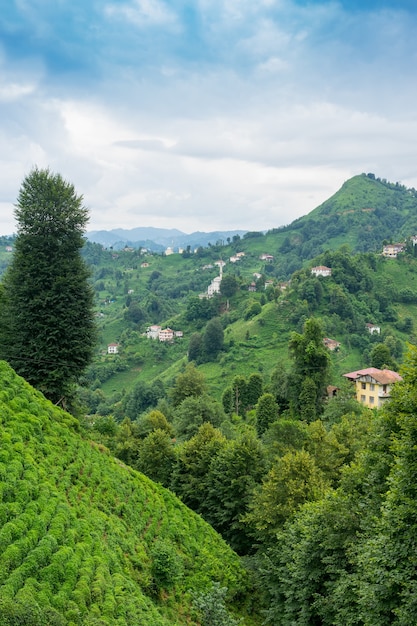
(206, 115)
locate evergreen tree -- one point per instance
(254, 389)
(213, 339)
(311, 361)
(266, 412)
(189, 383)
(46, 314)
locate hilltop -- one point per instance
(85, 539)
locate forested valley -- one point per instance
(242, 422)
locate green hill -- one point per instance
(85, 539)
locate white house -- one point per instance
(152, 332)
(214, 286)
(321, 270)
(373, 329)
(113, 348)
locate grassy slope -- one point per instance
(77, 527)
(260, 343)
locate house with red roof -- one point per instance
(373, 386)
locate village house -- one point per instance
(373, 329)
(166, 335)
(321, 270)
(266, 257)
(392, 250)
(237, 257)
(331, 344)
(373, 386)
(152, 332)
(113, 348)
(252, 287)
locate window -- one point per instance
(363, 385)
(363, 398)
(371, 399)
(372, 387)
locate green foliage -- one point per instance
(232, 476)
(253, 308)
(142, 397)
(157, 457)
(48, 331)
(190, 383)
(266, 412)
(195, 411)
(213, 339)
(84, 539)
(292, 480)
(310, 371)
(167, 568)
(194, 457)
(195, 348)
(381, 357)
(229, 285)
(211, 605)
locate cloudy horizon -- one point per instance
(199, 115)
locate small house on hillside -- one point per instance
(373, 329)
(331, 344)
(373, 386)
(392, 250)
(113, 348)
(152, 332)
(321, 270)
(166, 335)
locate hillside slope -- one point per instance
(362, 213)
(86, 540)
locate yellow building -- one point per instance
(373, 386)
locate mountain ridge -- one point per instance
(158, 239)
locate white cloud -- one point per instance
(143, 13)
(254, 120)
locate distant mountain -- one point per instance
(158, 239)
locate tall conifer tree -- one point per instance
(47, 330)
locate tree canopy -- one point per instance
(46, 314)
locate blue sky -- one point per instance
(206, 114)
